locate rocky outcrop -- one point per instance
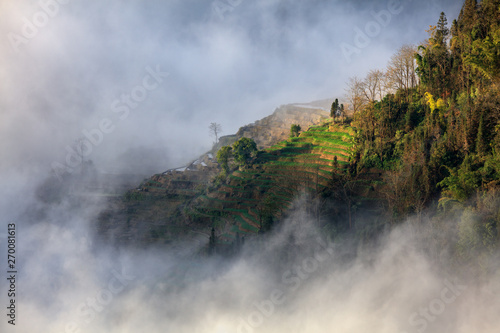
(276, 127)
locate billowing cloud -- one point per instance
(293, 279)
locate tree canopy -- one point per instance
(243, 150)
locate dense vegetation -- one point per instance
(428, 126)
(420, 139)
(435, 130)
(251, 194)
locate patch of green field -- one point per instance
(244, 225)
(250, 217)
(334, 141)
(327, 135)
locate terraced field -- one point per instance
(188, 202)
(306, 162)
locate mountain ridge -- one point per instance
(164, 195)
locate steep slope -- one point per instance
(192, 200)
(161, 206)
(251, 197)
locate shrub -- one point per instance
(295, 130)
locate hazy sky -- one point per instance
(63, 65)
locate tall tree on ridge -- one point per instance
(401, 71)
(334, 108)
(215, 129)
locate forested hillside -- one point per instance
(419, 139)
(435, 130)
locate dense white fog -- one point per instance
(293, 280)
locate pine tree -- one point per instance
(442, 31)
(335, 106)
(468, 15)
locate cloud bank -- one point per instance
(294, 279)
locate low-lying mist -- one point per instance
(294, 279)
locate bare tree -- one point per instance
(388, 85)
(373, 85)
(355, 94)
(401, 69)
(215, 129)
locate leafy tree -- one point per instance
(485, 55)
(462, 183)
(295, 130)
(342, 112)
(433, 104)
(223, 156)
(243, 149)
(266, 209)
